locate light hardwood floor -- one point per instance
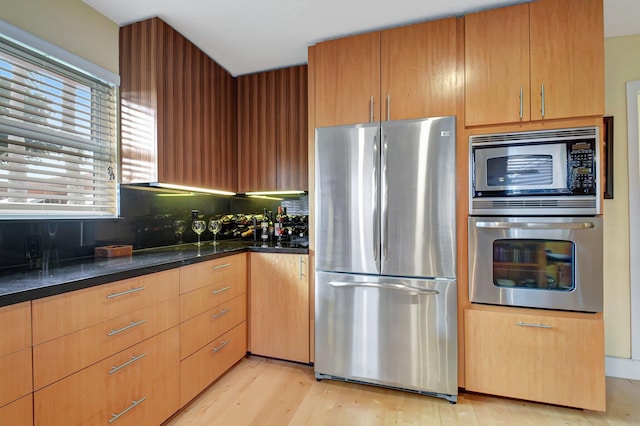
(260, 391)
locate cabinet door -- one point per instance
(279, 306)
(347, 77)
(257, 114)
(567, 57)
(499, 356)
(544, 358)
(497, 66)
(291, 101)
(419, 70)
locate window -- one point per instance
(58, 138)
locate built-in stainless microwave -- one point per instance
(550, 172)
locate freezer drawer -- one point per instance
(387, 331)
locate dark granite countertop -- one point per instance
(19, 284)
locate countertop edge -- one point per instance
(91, 281)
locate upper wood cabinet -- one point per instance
(178, 114)
(272, 130)
(401, 73)
(534, 61)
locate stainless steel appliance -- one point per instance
(551, 172)
(385, 295)
(539, 262)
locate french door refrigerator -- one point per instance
(385, 278)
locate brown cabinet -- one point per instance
(213, 313)
(272, 130)
(15, 364)
(401, 73)
(534, 61)
(555, 358)
(279, 306)
(106, 350)
(178, 114)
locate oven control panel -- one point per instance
(581, 164)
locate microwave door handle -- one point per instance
(535, 225)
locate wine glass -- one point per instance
(198, 226)
(215, 226)
(178, 228)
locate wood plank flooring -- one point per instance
(260, 391)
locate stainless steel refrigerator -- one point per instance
(385, 279)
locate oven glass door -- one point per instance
(541, 264)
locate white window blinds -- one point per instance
(58, 138)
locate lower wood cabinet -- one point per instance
(18, 413)
(555, 358)
(16, 385)
(279, 306)
(136, 386)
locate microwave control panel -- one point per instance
(581, 164)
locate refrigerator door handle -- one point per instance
(388, 286)
(385, 198)
(376, 220)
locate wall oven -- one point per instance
(538, 262)
(550, 172)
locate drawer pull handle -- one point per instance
(222, 345)
(221, 290)
(131, 361)
(526, 324)
(221, 313)
(122, 293)
(224, 265)
(133, 405)
(126, 327)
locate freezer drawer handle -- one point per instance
(401, 287)
(535, 225)
(122, 293)
(126, 327)
(526, 324)
(121, 366)
(221, 290)
(222, 345)
(133, 405)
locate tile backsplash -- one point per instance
(146, 220)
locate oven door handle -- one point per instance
(535, 225)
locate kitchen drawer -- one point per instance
(147, 373)
(59, 315)
(202, 299)
(15, 371)
(203, 367)
(18, 413)
(15, 333)
(213, 272)
(203, 328)
(65, 355)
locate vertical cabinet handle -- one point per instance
(133, 405)
(388, 107)
(371, 109)
(301, 272)
(542, 98)
(521, 103)
(126, 327)
(122, 293)
(131, 361)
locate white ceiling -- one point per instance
(246, 36)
